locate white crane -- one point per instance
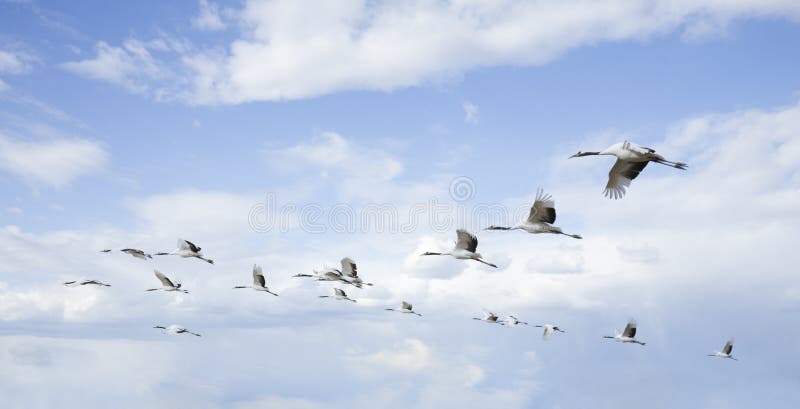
(540, 218)
(489, 317)
(549, 329)
(405, 308)
(465, 248)
(628, 335)
(726, 352)
(259, 283)
(133, 252)
(338, 294)
(186, 249)
(176, 329)
(349, 273)
(76, 283)
(631, 160)
(513, 321)
(167, 284)
(329, 274)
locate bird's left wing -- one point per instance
(543, 208)
(466, 240)
(620, 177)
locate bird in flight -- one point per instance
(338, 294)
(726, 352)
(187, 249)
(405, 308)
(628, 335)
(465, 248)
(631, 160)
(548, 330)
(76, 283)
(176, 329)
(490, 318)
(167, 284)
(540, 218)
(259, 283)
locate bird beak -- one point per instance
(574, 156)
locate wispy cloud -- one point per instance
(55, 162)
(209, 17)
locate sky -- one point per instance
(290, 135)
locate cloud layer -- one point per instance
(286, 51)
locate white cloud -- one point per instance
(358, 171)
(470, 113)
(412, 356)
(14, 62)
(209, 17)
(344, 45)
(134, 66)
(55, 162)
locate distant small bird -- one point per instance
(259, 283)
(166, 284)
(186, 249)
(539, 220)
(76, 283)
(339, 295)
(726, 352)
(133, 252)
(628, 335)
(465, 248)
(349, 273)
(176, 329)
(548, 330)
(513, 321)
(405, 308)
(631, 160)
(490, 317)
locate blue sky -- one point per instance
(133, 124)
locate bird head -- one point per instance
(578, 155)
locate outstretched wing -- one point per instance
(466, 240)
(188, 245)
(543, 209)
(728, 347)
(630, 330)
(164, 280)
(349, 267)
(406, 306)
(339, 292)
(620, 177)
(258, 276)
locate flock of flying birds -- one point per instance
(631, 160)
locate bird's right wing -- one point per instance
(543, 209)
(406, 306)
(164, 280)
(349, 267)
(466, 240)
(620, 177)
(339, 292)
(188, 245)
(630, 330)
(728, 347)
(258, 276)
